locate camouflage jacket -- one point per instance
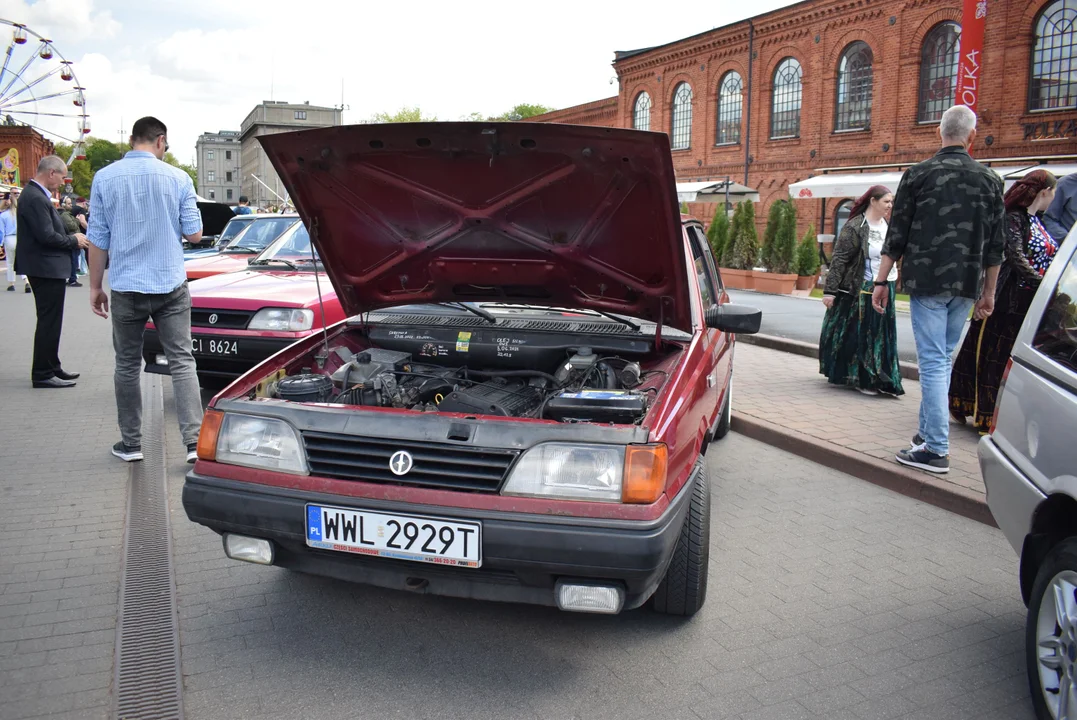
(946, 225)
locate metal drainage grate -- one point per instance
(147, 683)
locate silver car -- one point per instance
(1029, 465)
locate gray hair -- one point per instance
(957, 123)
(51, 162)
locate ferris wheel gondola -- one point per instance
(39, 88)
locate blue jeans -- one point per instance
(937, 323)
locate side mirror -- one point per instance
(731, 318)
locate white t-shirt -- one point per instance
(876, 237)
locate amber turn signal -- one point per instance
(207, 438)
(645, 473)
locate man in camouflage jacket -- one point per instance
(946, 226)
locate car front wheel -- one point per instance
(684, 588)
(1051, 635)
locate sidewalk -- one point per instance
(781, 399)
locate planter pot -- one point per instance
(774, 283)
(807, 282)
(738, 279)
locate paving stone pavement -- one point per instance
(62, 501)
(829, 598)
(787, 391)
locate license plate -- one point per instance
(402, 537)
(212, 346)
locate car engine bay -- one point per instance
(523, 375)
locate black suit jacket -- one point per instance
(44, 248)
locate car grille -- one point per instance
(436, 465)
(226, 319)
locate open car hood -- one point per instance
(214, 217)
(544, 214)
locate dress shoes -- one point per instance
(54, 382)
(66, 375)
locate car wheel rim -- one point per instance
(1056, 645)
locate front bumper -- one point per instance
(250, 352)
(524, 555)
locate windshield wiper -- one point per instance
(485, 315)
(611, 316)
(289, 263)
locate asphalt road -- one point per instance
(801, 319)
(829, 598)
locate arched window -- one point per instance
(641, 114)
(855, 81)
(730, 99)
(841, 216)
(785, 110)
(1054, 69)
(939, 57)
(682, 117)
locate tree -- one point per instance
(684, 208)
(404, 114)
(785, 241)
(774, 221)
(718, 232)
(745, 241)
(522, 111)
(808, 254)
(101, 152)
(189, 169)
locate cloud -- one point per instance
(64, 20)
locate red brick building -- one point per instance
(29, 146)
(844, 86)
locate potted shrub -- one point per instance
(780, 278)
(808, 261)
(718, 233)
(775, 217)
(684, 208)
(742, 250)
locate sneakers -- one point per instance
(11, 288)
(74, 283)
(192, 453)
(27, 289)
(923, 459)
(916, 441)
(126, 452)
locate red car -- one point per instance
(253, 239)
(239, 319)
(537, 356)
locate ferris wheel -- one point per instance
(39, 89)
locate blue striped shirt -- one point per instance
(139, 209)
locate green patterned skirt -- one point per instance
(858, 346)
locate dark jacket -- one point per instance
(1017, 279)
(946, 224)
(44, 246)
(846, 273)
(1062, 214)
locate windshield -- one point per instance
(293, 246)
(234, 227)
(261, 232)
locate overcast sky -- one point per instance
(201, 66)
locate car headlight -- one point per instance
(286, 319)
(259, 442)
(599, 473)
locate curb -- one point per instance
(919, 486)
(909, 371)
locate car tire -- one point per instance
(725, 420)
(684, 587)
(1046, 643)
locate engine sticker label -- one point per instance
(463, 341)
(596, 395)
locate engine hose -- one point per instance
(611, 376)
(513, 373)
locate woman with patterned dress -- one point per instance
(1029, 249)
(858, 346)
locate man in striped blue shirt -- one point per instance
(143, 209)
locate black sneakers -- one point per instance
(916, 441)
(126, 452)
(921, 458)
(192, 453)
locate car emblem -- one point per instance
(213, 319)
(400, 463)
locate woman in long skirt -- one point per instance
(858, 346)
(1029, 250)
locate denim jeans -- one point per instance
(171, 315)
(937, 323)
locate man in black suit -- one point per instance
(44, 257)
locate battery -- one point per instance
(600, 406)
